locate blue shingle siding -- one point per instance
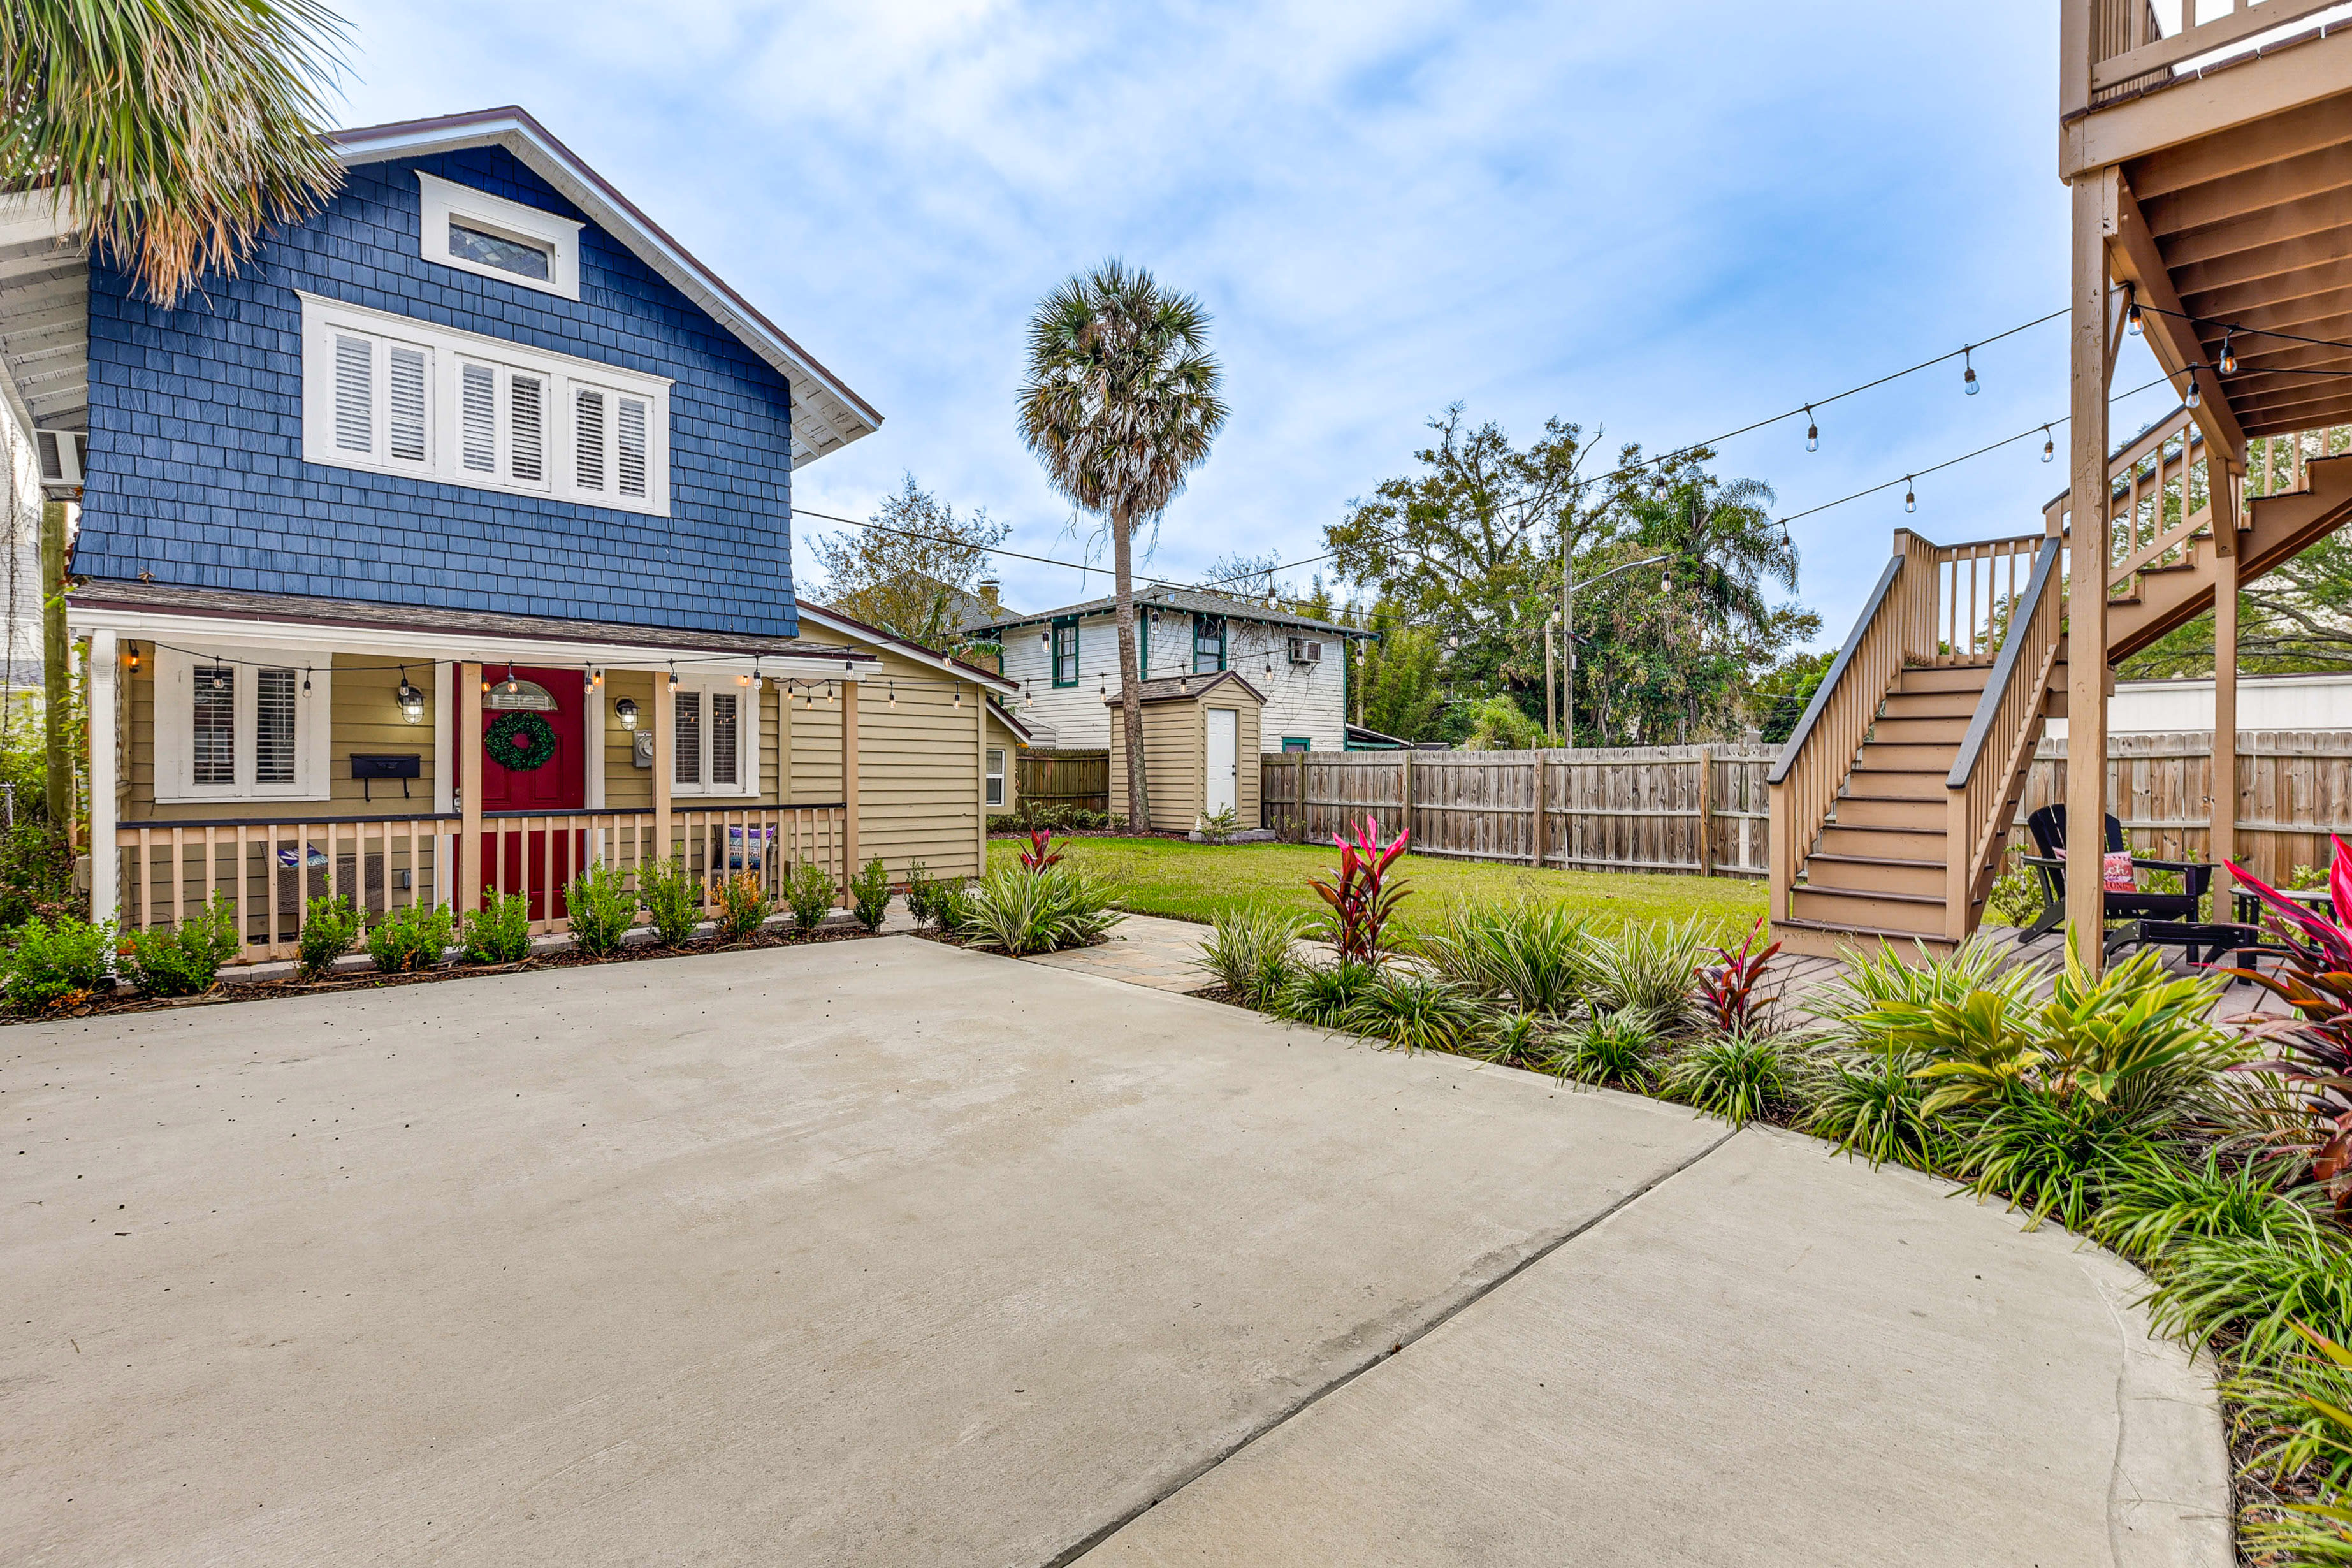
(195, 470)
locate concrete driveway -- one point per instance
(885, 1253)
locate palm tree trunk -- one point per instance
(1130, 700)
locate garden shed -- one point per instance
(1198, 732)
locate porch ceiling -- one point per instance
(44, 318)
(2245, 236)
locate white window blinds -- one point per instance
(725, 739)
(214, 735)
(687, 740)
(588, 439)
(630, 465)
(273, 725)
(354, 393)
(477, 417)
(526, 403)
(407, 442)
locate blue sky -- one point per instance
(1661, 219)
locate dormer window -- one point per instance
(475, 231)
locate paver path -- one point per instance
(887, 1253)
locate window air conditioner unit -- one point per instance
(1304, 650)
(62, 454)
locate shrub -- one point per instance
(810, 894)
(1322, 997)
(500, 931)
(37, 871)
(410, 937)
(1218, 827)
(1252, 952)
(2015, 899)
(57, 963)
(1528, 954)
(672, 897)
(1869, 1104)
(745, 904)
(869, 894)
(1363, 897)
(1417, 1012)
(1736, 1077)
(1873, 977)
(330, 928)
(2262, 1290)
(1019, 912)
(184, 960)
(602, 907)
(950, 905)
(2147, 1212)
(1651, 970)
(1610, 1049)
(1727, 991)
(2313, 1046)
(922, 896)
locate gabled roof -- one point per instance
(1161, 595)
(1004, 715)
(1184, 687)
(826, 415)
(835, 624)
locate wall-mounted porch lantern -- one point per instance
(412, 701)
(626, 711)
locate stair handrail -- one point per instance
(1836, 673)
(2011, 705)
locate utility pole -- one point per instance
(1551, 626)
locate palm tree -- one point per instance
(1727, 546)
(1120, 405)
(174, 131)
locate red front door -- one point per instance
(535, 859)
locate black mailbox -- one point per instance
(370, 766)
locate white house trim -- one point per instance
(441, 202)
(176, 782)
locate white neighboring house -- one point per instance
(2265, 702)
(1068, 661)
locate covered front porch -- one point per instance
(270, 751)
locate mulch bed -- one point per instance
(226, 992)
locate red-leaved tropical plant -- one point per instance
(1041, 852)
(1727, 991)
(1362, 896)
(2314, 979)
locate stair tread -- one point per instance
(1803, 924)
(1936, 898)
(1880, 826)
(1871, 860)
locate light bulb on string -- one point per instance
(587, 680)
(2196, 395)
(2227, 365)
(1970, 384)
(1812, 430)
(894, 694)
(1910, 497)
(306, 678)
(673, 675)
(2049, 444)
(2131, 319)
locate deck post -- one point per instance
(850, 788)
(665, 768)
(105, 860)
(2086, 585)
(468, 743)
(2221, 846)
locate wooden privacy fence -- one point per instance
(1699, 810)
(2294, 789)
(1063, 778)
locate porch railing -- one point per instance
(2130, 51)
(269, 870)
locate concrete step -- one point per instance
(1903, 841)
(1900, 913)
(1878, 754)
(1944, 730)
(1874, 875)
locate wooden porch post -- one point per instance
(468, 743)
(104, 897)
(2222, 842)
(2086, 587)
(665, 760)
(849, 787)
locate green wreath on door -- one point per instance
(520, 743)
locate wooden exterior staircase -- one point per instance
(1894, 799)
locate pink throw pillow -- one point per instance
(2114, 871)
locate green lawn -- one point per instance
(1198, 881)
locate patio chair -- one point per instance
(2048, 827)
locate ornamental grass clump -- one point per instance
(869, 894)
(1252, 952)
(2257, 1288)
(672, 897)
(410, 937)
(1738, 1077)
(808, 893)
(1323, 995)
(2297, 1413)
(1514, 1040)
(1415, 1012)
(1526, 954)
(57, 963)
(182, 960)
(1868, 1104)
(330, 928)
(745, 903)
(602, 907)
(1021, 912)
(1609, 1050)
(2148, 1213)
(1651, 970)
(500, 931)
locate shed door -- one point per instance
(1222, 778)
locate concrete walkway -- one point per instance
(887, 1253)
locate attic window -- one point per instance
(510, 241)
(519, 256)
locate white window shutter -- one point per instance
(588, 439)
(631, 465)
(354, 393)
(407, 433)
(527, 419)
(477, 417)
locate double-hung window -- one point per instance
(1208, 643)
(394, 395)
(995, 775)
(1066, 651)
(715, 736)
(241, 724)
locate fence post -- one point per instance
(1404, 792)
(1543, 774)
(1706, 811)
(1298, 798)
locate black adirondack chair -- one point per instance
(2048, 827)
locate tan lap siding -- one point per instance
(917, 770)
(815, 757)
